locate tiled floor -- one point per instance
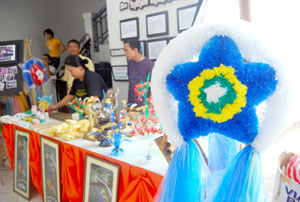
(288, 142)
(6, 190)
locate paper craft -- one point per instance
(220, 77)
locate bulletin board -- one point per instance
(11, 77)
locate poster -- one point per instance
(7, 53)
(11, 84)
(8, 75)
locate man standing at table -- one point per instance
(138, 67)
(74, 49)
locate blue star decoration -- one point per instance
(220, 92)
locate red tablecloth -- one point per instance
(135, 184)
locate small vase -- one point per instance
(117, 151)
(149, 156)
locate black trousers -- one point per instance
(55, 62)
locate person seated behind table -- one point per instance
(74, 49)
(46, 59)
(85, 84)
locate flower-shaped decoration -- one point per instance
(219, 93)
(44, 102)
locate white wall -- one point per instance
(20, 19)
(69, 22)
(114, 17)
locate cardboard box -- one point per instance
(285, 189)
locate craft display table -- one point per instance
(139, 179)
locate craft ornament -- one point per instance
(219, 93)
(222, 81)
(34, 73)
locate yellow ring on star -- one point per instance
(229, 110)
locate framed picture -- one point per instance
(143, 48)
(8, 53)
(50, 170)
(101, 180)
(155, 47)
(21, 164)
(185, 17)
(157, 24)
(129, 28)
(120, 73)
(117, 52)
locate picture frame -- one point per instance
(101, 179)
(143, 48)
(120, 73)
(8, 52)
(129, 28)
(185, 17)
(157, 24)
(50, 166)
(117, 52)
(154, 47)
(22, 181)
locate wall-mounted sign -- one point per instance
(117, 52)
(137, 4)
(120, 73)
(156, 2)
(140, 4)
(123, 5)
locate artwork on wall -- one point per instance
(143, 48)
(155, 47)
(8, 53)
(101, 180)
(185, 17)
(117, 52)
(120, 73)
(50, 170)
(21, 164)
(8, 77)
(157, 24)
(129, 28)
(11, 77)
